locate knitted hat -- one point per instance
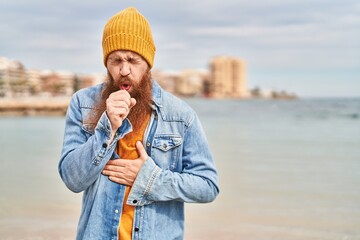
(129, 30)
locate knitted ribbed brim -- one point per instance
(129, 30)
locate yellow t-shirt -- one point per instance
(126, 149)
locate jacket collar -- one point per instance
(157, 93)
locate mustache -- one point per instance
(123, 80)
(113, 84)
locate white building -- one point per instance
(12, 78)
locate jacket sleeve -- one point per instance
(198, 181)
(84, 155)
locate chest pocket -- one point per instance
(167, 150)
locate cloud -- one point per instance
(278, 34)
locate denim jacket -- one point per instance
(179, 169)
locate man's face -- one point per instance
(127, 68)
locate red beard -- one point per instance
(141, 91)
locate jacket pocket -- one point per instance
(166, 150)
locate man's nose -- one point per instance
(125, 69)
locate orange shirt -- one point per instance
(126, 150)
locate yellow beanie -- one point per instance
(129, 30)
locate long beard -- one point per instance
(142, 92)
(143, 95)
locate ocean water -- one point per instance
(288, 170)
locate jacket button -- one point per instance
(148, 144)
(135, 201)
(136, 229)
(104, 145)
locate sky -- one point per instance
(310, 48)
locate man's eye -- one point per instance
(116, 60)
(133, 60)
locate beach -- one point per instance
(289, 170)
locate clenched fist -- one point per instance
(118, 106)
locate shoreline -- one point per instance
(34, 106)
(49, 106)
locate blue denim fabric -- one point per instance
(179, 169)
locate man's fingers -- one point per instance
(141, 150)
(113, 168)
(121, 93)
(118, 103)
(121, 177)
(116, 162)
(124, 92)
(120, 181)
(119, 96)
(121, 104)
(115, 173)
(117, 111)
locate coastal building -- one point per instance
(67, 81)
(4, 77)
(165, 79)
(190, 82)
(57, 83)
(88, 80)
(33, 81)
(271, 94)
(12, 78)
(228, 77)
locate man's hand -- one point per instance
(124, 171)
(118, 106)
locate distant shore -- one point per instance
(52, 106)
(33, 106)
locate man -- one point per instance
(136, 151)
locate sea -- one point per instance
(288, 170)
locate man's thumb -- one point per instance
(132, 102)
(141, 150)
